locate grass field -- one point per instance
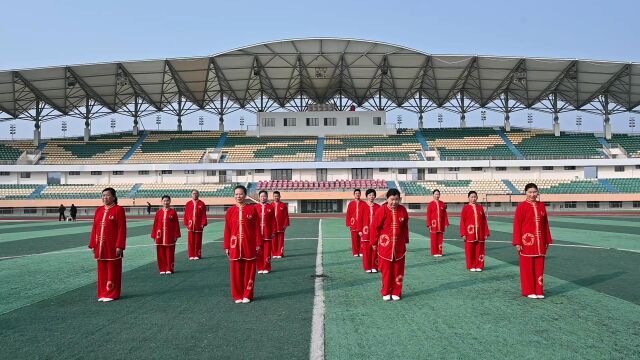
(592, 309)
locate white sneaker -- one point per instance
(360, 255)
(395, 297)
(101, 299)
(168, 273)
(386, 297)
(368, 271)
(355, 255)
(478, 269)
(162, 273)
(437, 255)
(265, 271)
(107, 299)
(238, 301)
(540, 296)
(246, 301)
(259, 271)
(374, 270)
(532, 296)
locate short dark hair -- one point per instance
(113, 193)
(166, 197)
(529, 186)
(369, 191)
(472, 192)
(276, 192)
(393, 192)
(435, 190)
(263, 191)
(356, 190)
(241, 187)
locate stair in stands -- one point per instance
(319, 148)
(134, 190)
(221, 141)
(608, 185)
(135, 147)
(391, 184)
(422, 140)
(37, 192)
(509, 144)
(511, 187)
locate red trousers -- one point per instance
(437, 239)
(264, 256)
(474, 252)
(195, 244)
(109, 278)
(532, 275)
(166, 257)
(277, 244)
(392, 276)
(243, 277)
(369, 256)
(355, 242)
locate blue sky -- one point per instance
(39, 33)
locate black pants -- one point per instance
(61, 217)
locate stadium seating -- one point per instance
(175, 147)
(333, 186)
(10, 151)
(425, 188)
(184, 190)
(403, 146)
(467, 143)
(16, 192)
(82, 191)
(629, 142)
(241, 148)
(563, 186)
(102, 149)
(538, 144)
(626, 185)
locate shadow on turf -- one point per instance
(583, 282)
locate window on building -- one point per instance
(259, 171)
(353, 121)
(289, 121)
(96, 173)
(383, 170)
(636, 204)
(618, 168)
(570, 204)
(593, 204)
(501, 168)
(454, 169)
(143, 172)
(377, 120)
(117, 173)
(268, 122)
(241, 172)
(414, 206)
(525, 168)
(615, 204)
(321, 174)
(476, 169)
(432, 171)
(166, 172)
(313, 122)
(189, 172)
(359, 174)
(74, 173)
(281, 174)
(212, 173)
(30, 211)
(25, 175)
(569, 168)
(330, 121)
(402, 171)
(547, 168)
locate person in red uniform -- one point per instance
(369, 257)
(281, 213)
(437, 222)
(242, 241)
(108, 241)
(531, 237)
(474, 229)
(390, 236)
(353, 218)
(165, 233)
(195, 219)
(267, 223)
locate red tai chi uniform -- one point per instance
(165, 233)
(390, 234)
(109, 232)
(241, 238)
(531, 231)
(353, 218)
(369, 257)
(195, 219)
(281, 213)
(437, 222)
(474, 228)
(267, 227)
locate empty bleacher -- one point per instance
(467, 143)
(184, 190)
(626, 185)
(630, 143)
(563, 186)
(10, 151)
(82, 191)
(401, 147)
(101, 149)
(241, 148)
(538, 144)
(175, 147)
(16, 192)
(330, 186)
(426, 187)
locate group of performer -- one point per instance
(254, 234)
(379, 234)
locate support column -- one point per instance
(420, 121)
(179, 112)
(556, 124)
(87, 121)
(221, 123)
(36, 125)
(507, 122)
(463, 121)
(136, 114)
(606, 124)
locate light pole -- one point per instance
(399, 120)
(440, 119)
(530, 120)
(579, 121)
(483, 117)
(241, 122)
(158, 121)
(200, 121)
(632, 123)
(113, 125)
(12, 130)
(64, 129)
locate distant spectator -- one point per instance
(61, 211)
(73, 211)
(148, 208)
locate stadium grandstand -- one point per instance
(321, 129)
